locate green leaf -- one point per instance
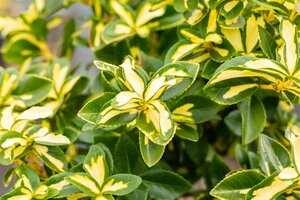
(187, 132)
(141, 193)
(253, 119)
(32, 89)
(273, 156)
(151, 152)
(183, 5)
(234, 122)
(126, 155)
(121, 184)
(91, 110)
(267, 43)
(163, 184)
(27, 177)
(179, 50)
(237, 185)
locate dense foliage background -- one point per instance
(174, 98)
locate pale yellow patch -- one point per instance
(35, 112)
(26, 97)
(41, 192)
(271, 190)
(164, 117)
(13, 141)
(122, 12)
(222, 52)
(59, 76)
(235, 90)
(122, 29)
(265, 64)
(43, 150)
(213, 37)
(54, 139)
(69, 85)
(110, 186)
(135, 81)
(234, 37)
(7, 118)
(230, 5)
(60, 185)
(200, 58)
(145, 14)
(230, 74)
(96, 169)
(288, 173)
(124, 97)
(184, 109)
(251, 33)
(85, 181)
(288, 33)
(41, 132)
(212, 25)
(193, 38)
(8, 84)
(182, 50)
(109, 113)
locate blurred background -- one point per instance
(81, 55)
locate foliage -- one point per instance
(182, 86)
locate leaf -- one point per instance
(171, 80)
(85, 183)
(126, 155)
(140, 193)
(270, 188)
(267, 43)
(289, 34)
(53, 157)
(194, 109)
(156, 123)
(151, 152)
(121, 184)
(236, 185)
(95, 164)
(35, 112)
(123, 11)
(32, 89)
(179, 50)
(234, 122)
(27, 177)
(253, 119)
(91, 110)
(146, 14)
(52, 140)
(183, 5)
(163, 184)
(187, 132)
(273, 156)
(116, 31)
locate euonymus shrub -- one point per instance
(186, 91)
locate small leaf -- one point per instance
(267, 43)
(151, 152)
(253, 119)
(121, 184)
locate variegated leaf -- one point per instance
(146, 14)
(270, 188)
(123, 11)
(156, 123)
(53, 157)
(121, 184)
(116, 31)
(52, 140)
(171, 80)
(85, 183)
(95, 164)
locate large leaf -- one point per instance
(236, 185)
(164, 184)
(253, 119)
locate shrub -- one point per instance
(182, 87)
